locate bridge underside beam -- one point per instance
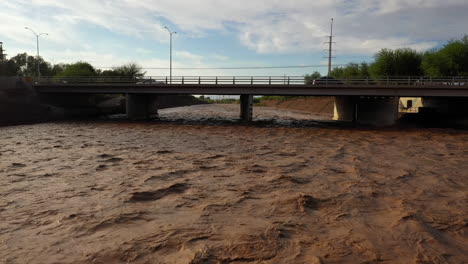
(375, 111)
(246, 107)
(141, 106)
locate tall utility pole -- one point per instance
(170, 53)
(330, 48)
(37, 45)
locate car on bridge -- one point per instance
(326, 80)
(436, 81)
(150, 81)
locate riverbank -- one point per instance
(20, 104)
(171, 192)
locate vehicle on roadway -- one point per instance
(150, 81)
(326, 80)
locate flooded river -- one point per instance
(200, 187)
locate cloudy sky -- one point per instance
(226, 33)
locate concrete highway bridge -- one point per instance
(364, 100)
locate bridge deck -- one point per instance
(260, 85)
(433, 90)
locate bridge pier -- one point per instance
(246, 107)
(345, 108)
(374, 111)
(141, 106)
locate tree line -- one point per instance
(25, 65)
(448, 60)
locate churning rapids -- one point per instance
(218, 191)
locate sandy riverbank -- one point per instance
(169, 192)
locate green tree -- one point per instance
(399, 62)
(10, 68)
(78, 69)
(309, 78)
(364, 69)
(109, 73)
(26, 65)
(351, 70)
(57, 69)
(126, 70)
(450, 60)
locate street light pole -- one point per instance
(170, 53)
(37, 46)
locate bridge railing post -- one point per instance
(251, 80)
(199, 80)
(182, 79)
(289, 80)
(269, 80)
(166, 79)
(234, 80)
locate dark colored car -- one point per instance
(326, 80)
(150, 81)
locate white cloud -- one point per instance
(265, 26)
(220, 57)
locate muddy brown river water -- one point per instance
(218, 191)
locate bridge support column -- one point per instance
(345, 108)
(246, 107)
(374, 111)
(141, 106)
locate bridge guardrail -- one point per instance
(261, 80)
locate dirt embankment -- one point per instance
(316, 105)
(20, 104)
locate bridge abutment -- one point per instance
(246, 107)
(374, 111)
(450, 110)
(141, 106)
(453, 106)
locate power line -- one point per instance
(231, 68)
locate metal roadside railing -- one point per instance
(261, 80)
